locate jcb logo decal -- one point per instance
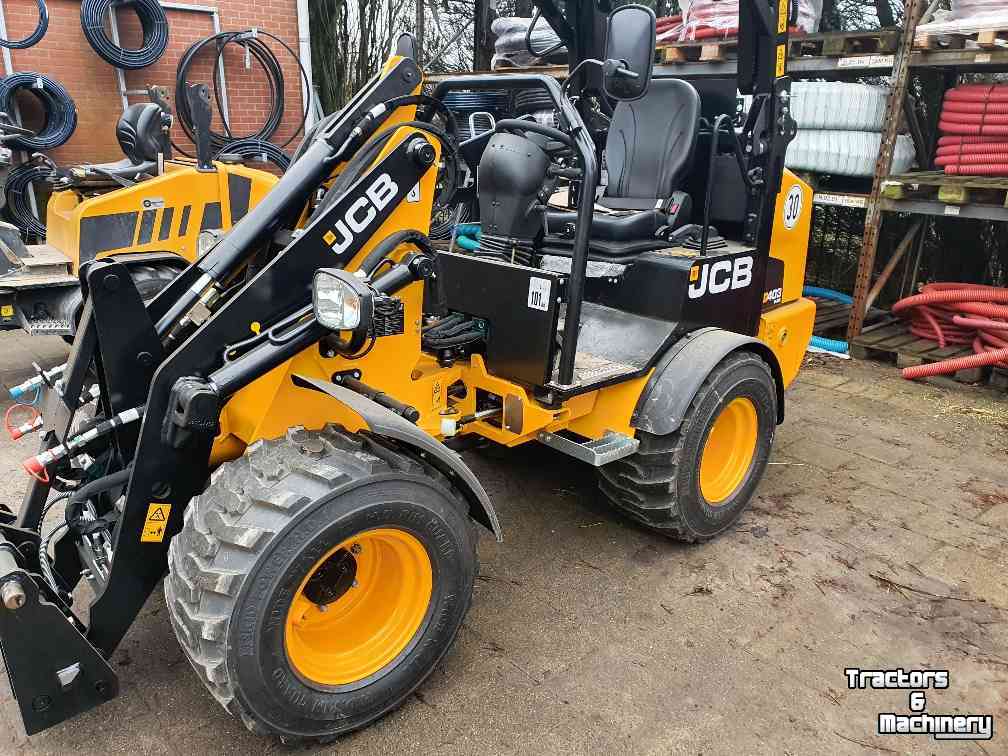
(360, 214)
(721, 276)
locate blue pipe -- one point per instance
(830, 345)
(836, 296)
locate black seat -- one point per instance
(649, 150)
(141, 136)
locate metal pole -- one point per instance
(120, 76)
(883, 167)
(8, 70)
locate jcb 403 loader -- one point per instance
(274, 429)
(148, 211)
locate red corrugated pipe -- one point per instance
(954, 313)
(987, 169)
(947, 141)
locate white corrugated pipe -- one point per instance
(304, 52)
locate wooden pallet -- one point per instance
(953, 190)
(832, 317)
(989, 39)
(893, 342)
(832, 44)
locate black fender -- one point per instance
(682, 370)
(384, 422)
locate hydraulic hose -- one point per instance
(32, 39)
(959, 314)
(255, 149)
(59, 111)
(153, 22)
(16, 189)
(267, 60)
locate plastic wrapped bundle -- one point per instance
(707, 19)
(836, 105)
(845, 153)
(510, 49)
(972, 8)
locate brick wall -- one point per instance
(65, 55)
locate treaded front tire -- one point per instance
(659, 486)
(247, 547)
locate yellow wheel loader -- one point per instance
(277, 430)
(147, 210)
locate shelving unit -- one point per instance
(927, 193)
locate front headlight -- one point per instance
(342, 301)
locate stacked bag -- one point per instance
(718, 19)
(840, 129)
(974, 127)
(968, 17)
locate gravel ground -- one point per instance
(876, 540)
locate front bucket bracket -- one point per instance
(54, 672)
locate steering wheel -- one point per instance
(520, 127)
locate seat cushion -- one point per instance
(630, 226)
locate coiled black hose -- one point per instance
(254, 149)
(33, 38)
(266, 59)
(153, 22)
(16, 189)
(57, 105)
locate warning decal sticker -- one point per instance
(155, 524)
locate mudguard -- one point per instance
(683, 369)
(386, 423)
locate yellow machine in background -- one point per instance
(149, 213)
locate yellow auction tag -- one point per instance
(782, 14)
(156, 523)
(781, 60)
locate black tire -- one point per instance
(149, 281)
(659, 485)
(252, 536)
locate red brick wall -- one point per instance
(65, 55)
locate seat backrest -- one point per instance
(651, 142)
(139, 132)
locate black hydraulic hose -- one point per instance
(59, 111)
(267, 60)
(153, 22)
(388, 245)
(33, 38)
(16, 189)
(256, 149)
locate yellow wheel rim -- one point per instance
(358, 607)
(729, 450)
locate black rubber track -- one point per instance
(646, 486)
(230, 527)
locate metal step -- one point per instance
(596, 452)
(47, 327)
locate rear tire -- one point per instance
(661, 485)
(239, 573)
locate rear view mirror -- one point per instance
(630, 50)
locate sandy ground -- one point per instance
(876, 540)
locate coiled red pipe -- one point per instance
(959, 314)
(974, 121)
